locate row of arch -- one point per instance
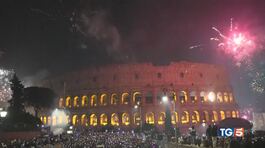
(125, 119)
(126, 98)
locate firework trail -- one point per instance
(195, 46)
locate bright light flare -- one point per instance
(165, 99)
(240, 44)
(3, 114)
(238, 39)
(60, 123)
(245, 117)
(211, 96)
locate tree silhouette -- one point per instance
(17, 99)
(17, 119)
(39, 97)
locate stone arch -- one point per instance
(74, 120)
(125, 98)
(114, 99)
(137, 119)
(195, 117)
(205, 116)
(125, 119)
(225, 97)
(222, 115)
(84, 120)
(103, 100)
(161, 118)
(174, 117)
(185, 118)
(93, 120)
(84, 101)
(215, 116)
(61, 102)
(193, 97)
(68, 102)
(150, 118)
(233, 114)
(137, 98)
(93, 101)
(219, 97)
(228, 114)
(49, 121)
(237, 114)
(76, 101)
(44, 120)
(183, 97)
(114, 119)
(231, 98)
(103, 119)
(202, 96)
(68, 120)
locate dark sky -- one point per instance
(41, 38)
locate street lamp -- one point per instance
(140, 111)
(3, 114)
(165, 99)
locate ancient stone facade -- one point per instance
(130, 95)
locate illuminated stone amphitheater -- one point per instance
(125, 95)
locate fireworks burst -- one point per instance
(257, 83)
(240, 45)
(256, 71)
(5, 91)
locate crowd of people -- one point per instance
(86, 138)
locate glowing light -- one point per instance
(165, 99)
(211, 96)
(69, 132)
(244, 117)
(57, 127)
(3, 114)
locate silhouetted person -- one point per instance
(193, 134)
(214, 136)
(209, 136)
(248, 140)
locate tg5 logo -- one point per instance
(228, 132)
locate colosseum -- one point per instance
(129, 95)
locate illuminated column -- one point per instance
(188, 101)
(190, 116)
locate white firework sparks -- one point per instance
(5, 91)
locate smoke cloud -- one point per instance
(36, 79)
(61, 122)
(96, 24)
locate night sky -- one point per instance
(49, 37)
